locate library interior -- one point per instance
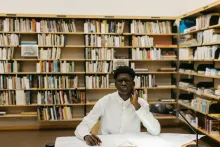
(110, 73)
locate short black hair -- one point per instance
(124, 69)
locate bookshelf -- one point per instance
(74, 52)
(198, 90)
(74, 67)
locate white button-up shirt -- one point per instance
(118, 116)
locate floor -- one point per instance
(38, 138)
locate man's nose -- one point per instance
(123, 83)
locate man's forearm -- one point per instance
(151, 124)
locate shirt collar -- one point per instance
(121, 101)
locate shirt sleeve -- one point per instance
(89, 121)
(150, 123)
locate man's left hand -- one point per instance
(134, 100)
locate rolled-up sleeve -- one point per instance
(89, 121)
(150, 123)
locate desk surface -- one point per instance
(139, 139)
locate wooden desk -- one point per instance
(140, 139)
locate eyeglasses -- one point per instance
(124, 79)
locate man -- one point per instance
(119, 112)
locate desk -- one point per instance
(142, 139)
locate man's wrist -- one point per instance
(136, 105)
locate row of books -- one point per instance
(97, 81)
(104, 40)
(142, 41)
(18, 97)
(203, 21)
(33, 25)
(51, 39)
(103, 26)
(99, 53)
(204, 52)
(55, 113)
(49, 53)
(48, 66)
(99, 66)
(7, 67)
(58, 81)
(6, 53)
(152, 54)
(145, 81)
(93, 26)
(9, 39)
(211, 91)
(201, 104)
(211, 126)
(143, 54)
(60, 97)
(27, 82)
(154, 27)
(202, 37)
(211, 36)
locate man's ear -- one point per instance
(133, 83)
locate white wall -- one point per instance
(102, 7)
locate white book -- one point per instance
(38, 27)
(20, 97)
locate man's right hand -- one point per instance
(92, 140)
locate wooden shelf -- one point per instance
(8, 46)
(216, 138)
(187, 106)
(165, 117)
(155, 102)
(68, 120)
(31, 105)
(16, 115)
(100, 89)
(108, 47)
(146, 60)
(70, 33)
(42, 73)
(208, 44)
(76, 104)
(151, 102)
(202, 60)
(90, 33)
(200, 75)
(210, 27)
(202, 94)
(74, 46)
(96, 73)
(157, 46)
(42, 59)
(156, 72)
(79, 88)
(98, 60)
(150, 34)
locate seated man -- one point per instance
(119, 112)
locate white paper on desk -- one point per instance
(113, 140)
(139, 139)
(179, 139)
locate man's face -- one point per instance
(124, 83)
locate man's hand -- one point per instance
(134, 100)
(92, 140)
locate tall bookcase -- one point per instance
(199, 53)
(79, 71)
(61, 85)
